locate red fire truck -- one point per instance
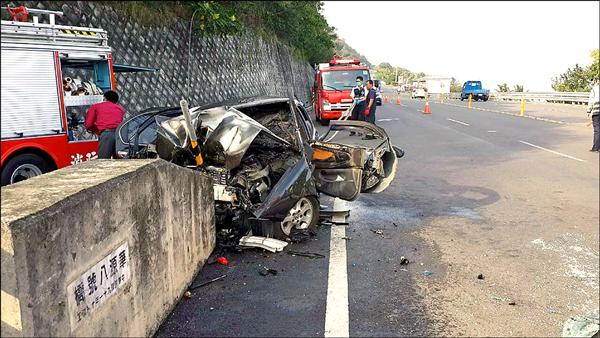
(44, 97)
(333, 83)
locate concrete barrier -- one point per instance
(102, 248)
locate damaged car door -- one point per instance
(347, 164)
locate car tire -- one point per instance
(485, 99)
(324, 122)
(23, 166)
(462, 98)
(306, 210)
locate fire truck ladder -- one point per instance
(43, 35)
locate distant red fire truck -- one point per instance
(333, 83)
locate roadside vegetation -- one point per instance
(298, 24)
(578, 79)
(343, 49)
(504, 88)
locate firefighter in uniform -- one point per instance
(358, 95)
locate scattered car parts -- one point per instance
(271, 244)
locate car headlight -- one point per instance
(326, 105)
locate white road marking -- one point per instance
(385, 120)
(511, 114)
(336, 313)
(491, 131)
(554, 152)
(456, 121)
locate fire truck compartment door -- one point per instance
(30, 97)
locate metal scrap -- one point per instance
(206, 283)
(271, 244)
(264, 271)
(305, 254)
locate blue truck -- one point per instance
(474, 88)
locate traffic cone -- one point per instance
(386, 99)
(398, 100)
(427, 110)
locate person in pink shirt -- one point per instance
(103, 120)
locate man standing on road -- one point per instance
(358, 95)
(103, 119)
(370, 106)
(594, 111)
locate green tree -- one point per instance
(518, 88)
(455, 86)
(503, 88)
(578, 79)
(594, 68)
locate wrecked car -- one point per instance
(267, 161)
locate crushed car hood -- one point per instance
(230, 133)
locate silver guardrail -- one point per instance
(558, 97)
(552, 97)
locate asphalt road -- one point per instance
(478, 192)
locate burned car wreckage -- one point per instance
(266, 159)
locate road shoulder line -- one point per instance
(552, 151)
(459, 122)
(336, 313)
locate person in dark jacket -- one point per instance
(370, 106)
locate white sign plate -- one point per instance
(87, 293)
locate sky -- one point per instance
(525, 43)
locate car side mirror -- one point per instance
(399, 152)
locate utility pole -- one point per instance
(397, 81)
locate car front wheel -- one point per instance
(303, 216)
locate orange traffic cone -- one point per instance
(386, 99)
(398, 100)
(427, 110)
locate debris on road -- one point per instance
(580, 326)
(512, 303)
(223, 261)
(305, 254)
(395, 225)
(500, 299)
(264, 271)
(347, 238)
(403, 260)
(426, 273)
(337, 217)
(187, 295)
(377, 231)
(480, 276)
(207, 282)
(271, 244)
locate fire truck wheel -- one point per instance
(22, 167)
(324, 122)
